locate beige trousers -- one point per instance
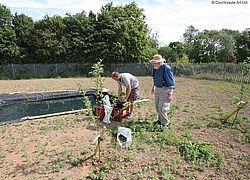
(161, 105)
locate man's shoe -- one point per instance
(166, 125)
(157, 122)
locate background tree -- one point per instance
(8, 47)
(243, 45)
(24, 27)
(48, 40)
(117, 34)
(78, 36)
(169, 54)
(122, 34)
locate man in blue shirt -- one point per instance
(162, 88)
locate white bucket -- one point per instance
(124, 137)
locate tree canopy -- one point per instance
(117, 34)
(210, 46)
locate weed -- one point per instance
(131, 156)
(166, 138)
(58, 163)
(107, 166)
(94, 176)
(89, 112)
(187, 134)
(75, 161)
(235, 100)
(174, 166)
(2, 156)
(218, 160)
(196, 151)
(247, 133)
(186, 110)
(57, 124)
(166, 175)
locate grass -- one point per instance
(198, 145)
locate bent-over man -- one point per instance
(132, 87)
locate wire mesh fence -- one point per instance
(218, 71)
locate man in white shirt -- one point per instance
(132, 87)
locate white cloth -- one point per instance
(107, 109)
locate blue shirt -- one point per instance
(164, 76)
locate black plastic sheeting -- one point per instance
(18, 107)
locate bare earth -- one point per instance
(50, 148)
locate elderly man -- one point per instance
(162, 88)
(132, 87)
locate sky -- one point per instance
(169, 18)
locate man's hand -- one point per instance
(152, 92)
(128, 91)
(169, 98)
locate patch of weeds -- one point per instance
(68, 151)
(235, 123)
(200, 154)
(138, 126)
(166, 138)
(2, 156)
(58, 163)
(50, 128)
(175, 163)
(196, 151)
(107, 166)
(235, 100)
(89, 111)
(185, 110)
(214, 123)
(171, 111)
(68, 177)
(247, 133)
(215, 106)
(239, 119)
(75, 161)
(187, 134)
(3, 129)
(176, 106)
(159, 159)
(166, 174)
(131, 156)
(140, 141)
(147, 133)
(218, 121)
(57, 124)
(218, 160)
(94, 176)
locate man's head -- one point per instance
(156, 61)
(115, 76)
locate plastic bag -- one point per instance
(124, 137)
(107, 109)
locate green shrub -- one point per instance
(167, 138)
(196, 151)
